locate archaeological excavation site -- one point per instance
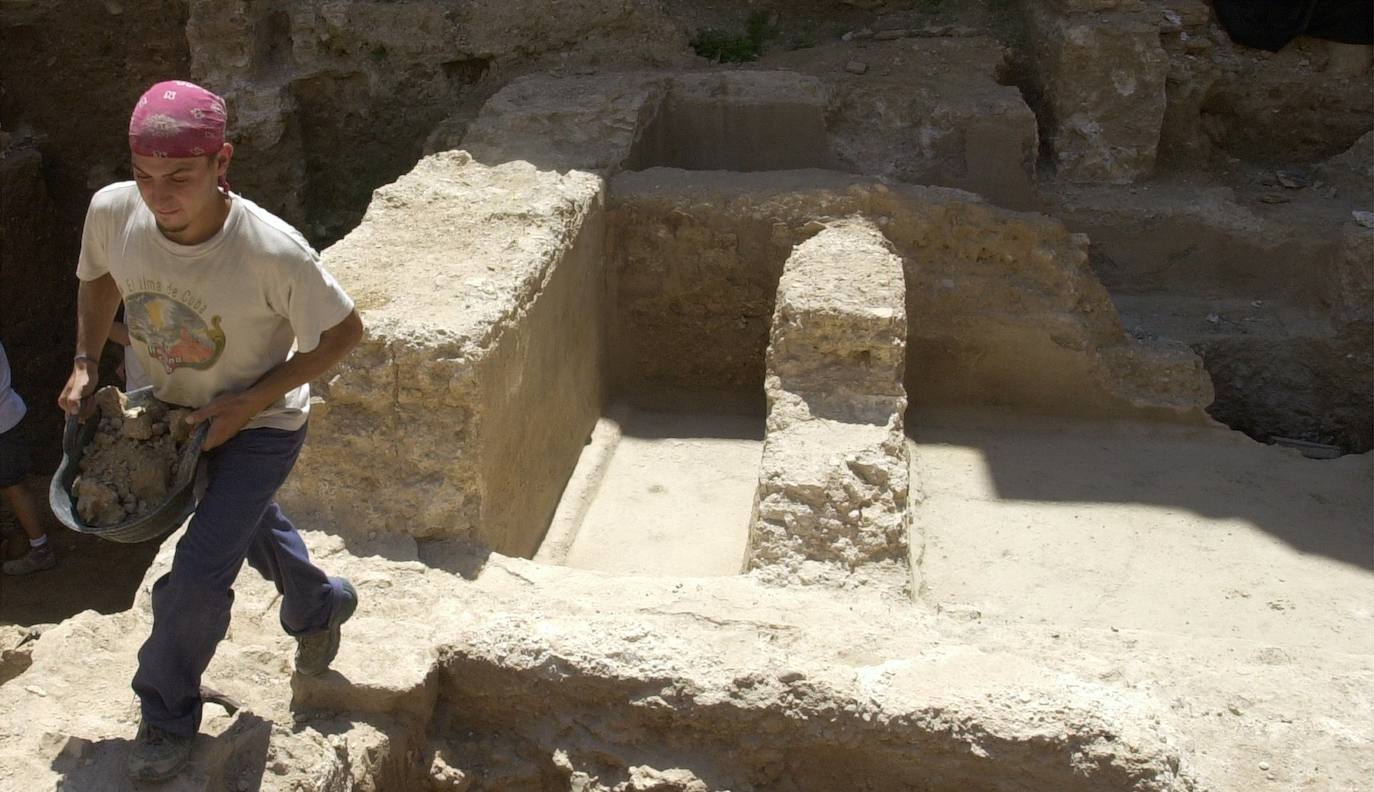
(796, 395)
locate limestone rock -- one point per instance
(831, 505)
(479, 288)
(370, 81)
(587, 122)
(646, 779)
(16, 650)
(137, 425)
(97, 503)
(1103, 79)
(149, 479)
(1003, 299)
(177, 426)
(963, 129)
(112, 403)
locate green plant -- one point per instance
(726, 47)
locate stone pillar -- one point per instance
(832, 501)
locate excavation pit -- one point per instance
(607, 472)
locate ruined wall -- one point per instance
(330, 100)
(834, 492)
(1121, 86)
(465, 407)
(1004, 307)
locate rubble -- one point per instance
(131, 460)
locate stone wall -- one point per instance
(1004, 308)
(1101, 70)
(329, 100)
(465, 407)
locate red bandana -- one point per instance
(178, 119)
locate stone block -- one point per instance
(840, 323)
(932, 112)
(463, 410)
(1101, 69)
(740, 121)
(834, 482)
(591, 122)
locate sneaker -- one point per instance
(315, 651)
(36, 560)
(157, 754)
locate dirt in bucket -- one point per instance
(131, 461)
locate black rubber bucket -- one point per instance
(166, 517)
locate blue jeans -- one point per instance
(236, 520)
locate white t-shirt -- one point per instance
(212, 318)
(134, 375)
(12, 407)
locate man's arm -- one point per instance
(119, 333)
(96, 303)
(232, 411)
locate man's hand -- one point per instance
(96, 303)
(81, 384)
(231, 412)
(228, 414)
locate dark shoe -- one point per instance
(315, 651)
(36, 560)
(158, 755)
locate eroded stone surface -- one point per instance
(831, 505)
(329, 99)
(1005, 307)
(463, 409)
(1101, 69)
(519, 662)
(935, 113)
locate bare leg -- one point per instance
(25, 508)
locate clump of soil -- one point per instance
(128, 465)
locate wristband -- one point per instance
(86, 358)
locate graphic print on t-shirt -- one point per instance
(174, 334)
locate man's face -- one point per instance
(178, 190)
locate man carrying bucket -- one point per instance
(216, 293)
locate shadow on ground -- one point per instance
(235, 759)
(1319, 507)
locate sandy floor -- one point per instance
(1188, 531)
(675, 497)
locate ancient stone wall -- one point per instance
(1004, 307)
(329, 100)
(1101, 69)
(465, 407)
